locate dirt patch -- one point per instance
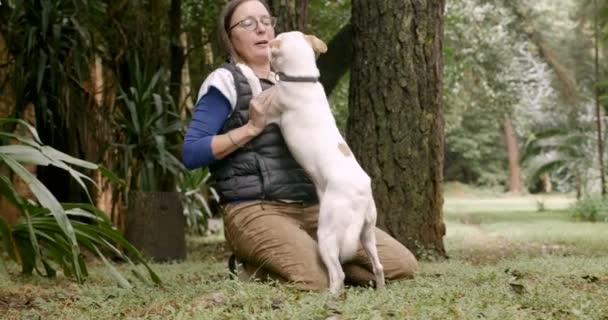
(483, 247)
(159, 308)
(28, 297)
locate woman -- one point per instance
(271, 207)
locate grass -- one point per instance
(507, 261)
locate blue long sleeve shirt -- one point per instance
(210, 114)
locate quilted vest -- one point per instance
(263, 169)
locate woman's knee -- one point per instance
(403, 266)
(398, 262)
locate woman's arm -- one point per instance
(203, 145)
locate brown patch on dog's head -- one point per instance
(317, 44)
(343, 147)
(275, 46)
(275, 43)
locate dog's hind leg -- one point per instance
(368, 241)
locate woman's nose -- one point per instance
(260, 27)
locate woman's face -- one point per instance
(251, 45)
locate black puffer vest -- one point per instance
(264, 168)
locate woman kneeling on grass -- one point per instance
(271, 207)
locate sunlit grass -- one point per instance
(507, 261)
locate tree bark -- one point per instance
(291, 14)
(515, 184)
(156, 225)
(598, 107)
(396, 125)
(8, 211)
(101, 111)
(547, 185)
(185, 97)
(176, 50)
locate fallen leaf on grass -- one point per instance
(515, 273)
(591, 279)
(276, 304)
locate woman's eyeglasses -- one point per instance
(251, 23)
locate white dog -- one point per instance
(347, 210)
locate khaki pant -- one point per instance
(279, 241)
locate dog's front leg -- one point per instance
(330, 254)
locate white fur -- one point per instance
(347, 210)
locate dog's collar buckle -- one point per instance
(280, 76)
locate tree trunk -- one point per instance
(101, 111)
(598, 107)
(547, 185)
(291, 14)
(156, 225)
(185, 96)
(524, 25)
(175, 47)
(8, 211)
(515, 185)
(396, 125)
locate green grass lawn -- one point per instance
(507, 261)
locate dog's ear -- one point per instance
(275, 46)
(317, 44)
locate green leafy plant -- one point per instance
(592, 209)
(48, 234)
(150, 129)
(197, 195)
(565, 152)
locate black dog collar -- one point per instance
(283, 77)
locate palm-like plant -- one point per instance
(49, 234)
(149, 123)
(563, 151)
(197, 194)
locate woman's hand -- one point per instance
(258, 106)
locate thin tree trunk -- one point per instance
(515, 184)
(185, 96)
(564, 76)
(547, 185)
(102, 135)
(291, 14)
(168, 180)
(176, 49)
(396, 125)
(598, 107)
(8, 212)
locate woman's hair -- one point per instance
(223, 24)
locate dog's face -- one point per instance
(290, 49)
